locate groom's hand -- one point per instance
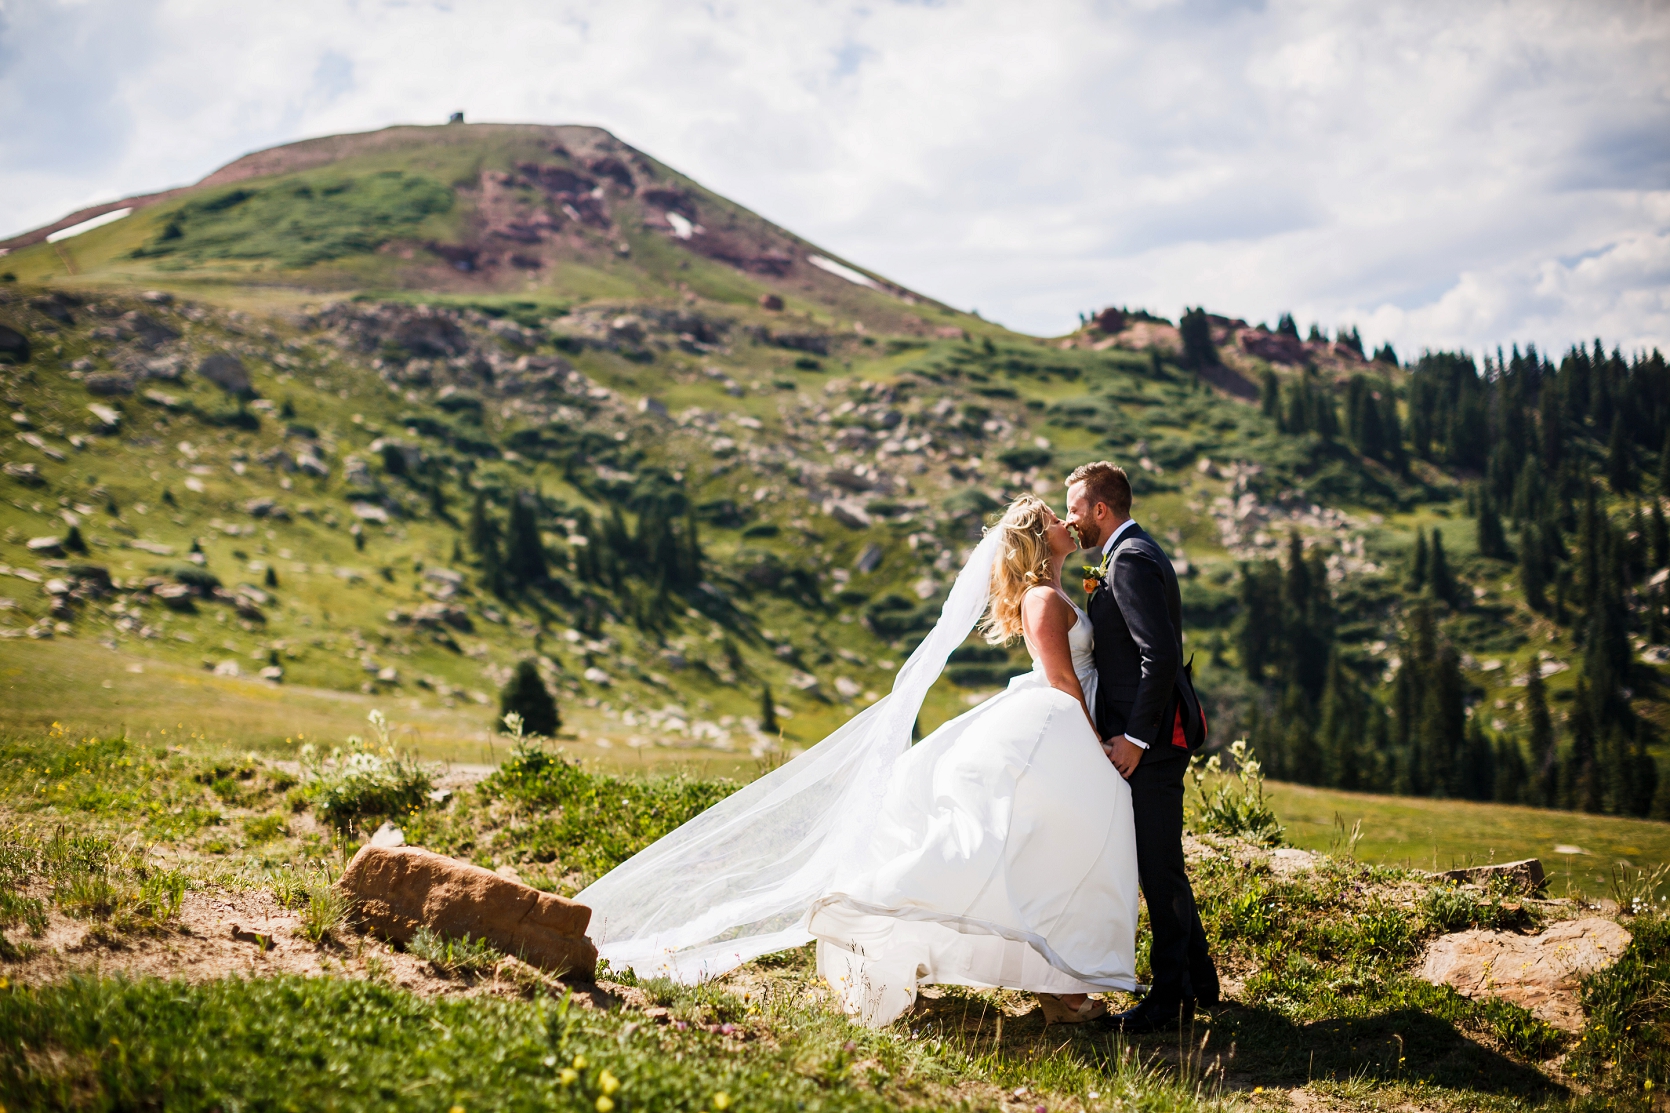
(1123, 754)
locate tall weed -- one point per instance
(367, 780)
(1237, 806)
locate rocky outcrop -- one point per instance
(398, 889)
(227, 372)
(1537, 972)
(1524, 876)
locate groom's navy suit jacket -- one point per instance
(1137, 614)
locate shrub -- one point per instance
(1237, 806)
(369, 780)
(526, 697)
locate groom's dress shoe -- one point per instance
(1154, 1017)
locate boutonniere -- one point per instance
(1095, 575)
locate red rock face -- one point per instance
(1272, 346)
(398, 889)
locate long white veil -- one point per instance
(735, 882)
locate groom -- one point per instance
(1137, 614)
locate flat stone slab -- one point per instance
(398, 889)
(1539, 973)
(1525, 875)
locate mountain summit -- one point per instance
(547, 213)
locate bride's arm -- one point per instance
(1046, 619)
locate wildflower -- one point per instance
(1258, 1089)
(605, 1104)
(456, 1109)
(721, 1100)
(607, 1082)
(579, 1062)
(568, 1075)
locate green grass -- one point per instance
(1446, 834)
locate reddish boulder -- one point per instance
(1273, 346)
(771, 302)
(398, 889)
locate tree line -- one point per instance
(1570, 466)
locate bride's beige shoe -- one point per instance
(1056, 1011)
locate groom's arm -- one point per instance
(1139, 589)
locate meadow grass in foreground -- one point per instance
(1321, 959)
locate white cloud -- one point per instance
(1441, 175)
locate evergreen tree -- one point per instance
(1444, 584)
(1664, 466)
(1391, 431)
(1269, 395)
(1196, 333)
(1493, 540)
(1659, 533)
(1620, 458)
(74, 543)
(525, 693)
(1544, 746)
(768, 711)
(1531, 578)
(524, 551)
(483, 538)
(1286, 326)
(1417, 568)
(1478, 774)
(1510, 781)
(272, 577)
(1341, 731)
(1385, 354)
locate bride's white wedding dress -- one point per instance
(1003, 855)
(999, 851)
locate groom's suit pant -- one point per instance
(1182, 965)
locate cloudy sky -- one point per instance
(1440, 174)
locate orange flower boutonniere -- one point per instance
(1095, 575)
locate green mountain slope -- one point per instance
(395, 412)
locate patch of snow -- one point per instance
(88, 225)
(840, 270)
(682, 228)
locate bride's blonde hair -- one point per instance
(1023, 562)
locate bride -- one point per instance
(999, 851)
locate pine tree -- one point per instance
(483, 538)
(524, 552)
(272, 577)
(1664, 466)
(525, 693)
(1531, 579)
(1493, 540)
(1478, 775)
(1269, 395)
(1443, 580)
(768, 711)
(1287, 326)
(1544, 746)
(1418, 570)
(1196, 333)
(1620, 459)
(74, 543)
(1581, 782)
(1509, 760)
(1659, 533)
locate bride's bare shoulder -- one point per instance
(1044, 602)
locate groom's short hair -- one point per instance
(1105, 482)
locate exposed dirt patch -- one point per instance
(249, 934)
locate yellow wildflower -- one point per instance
(605, 1104)
(607, 1082)
(721, 1100)
(579, 1062)
(568, 1075)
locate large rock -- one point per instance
(1523, 876)
(227, 372)
(1537, 972)
(398, 889)
(14, 346)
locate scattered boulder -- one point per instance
(1524, 876)
(14, 346)
(1539, 973)
(148, 332)
(869, 559)
(398, 889)
(849, 513)
(227, 372)
(45, 546)
(105, 419)
(771, 302)
(1273, 346)
(27, 474)
(109, 384)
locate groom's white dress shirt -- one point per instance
(1107, 547)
